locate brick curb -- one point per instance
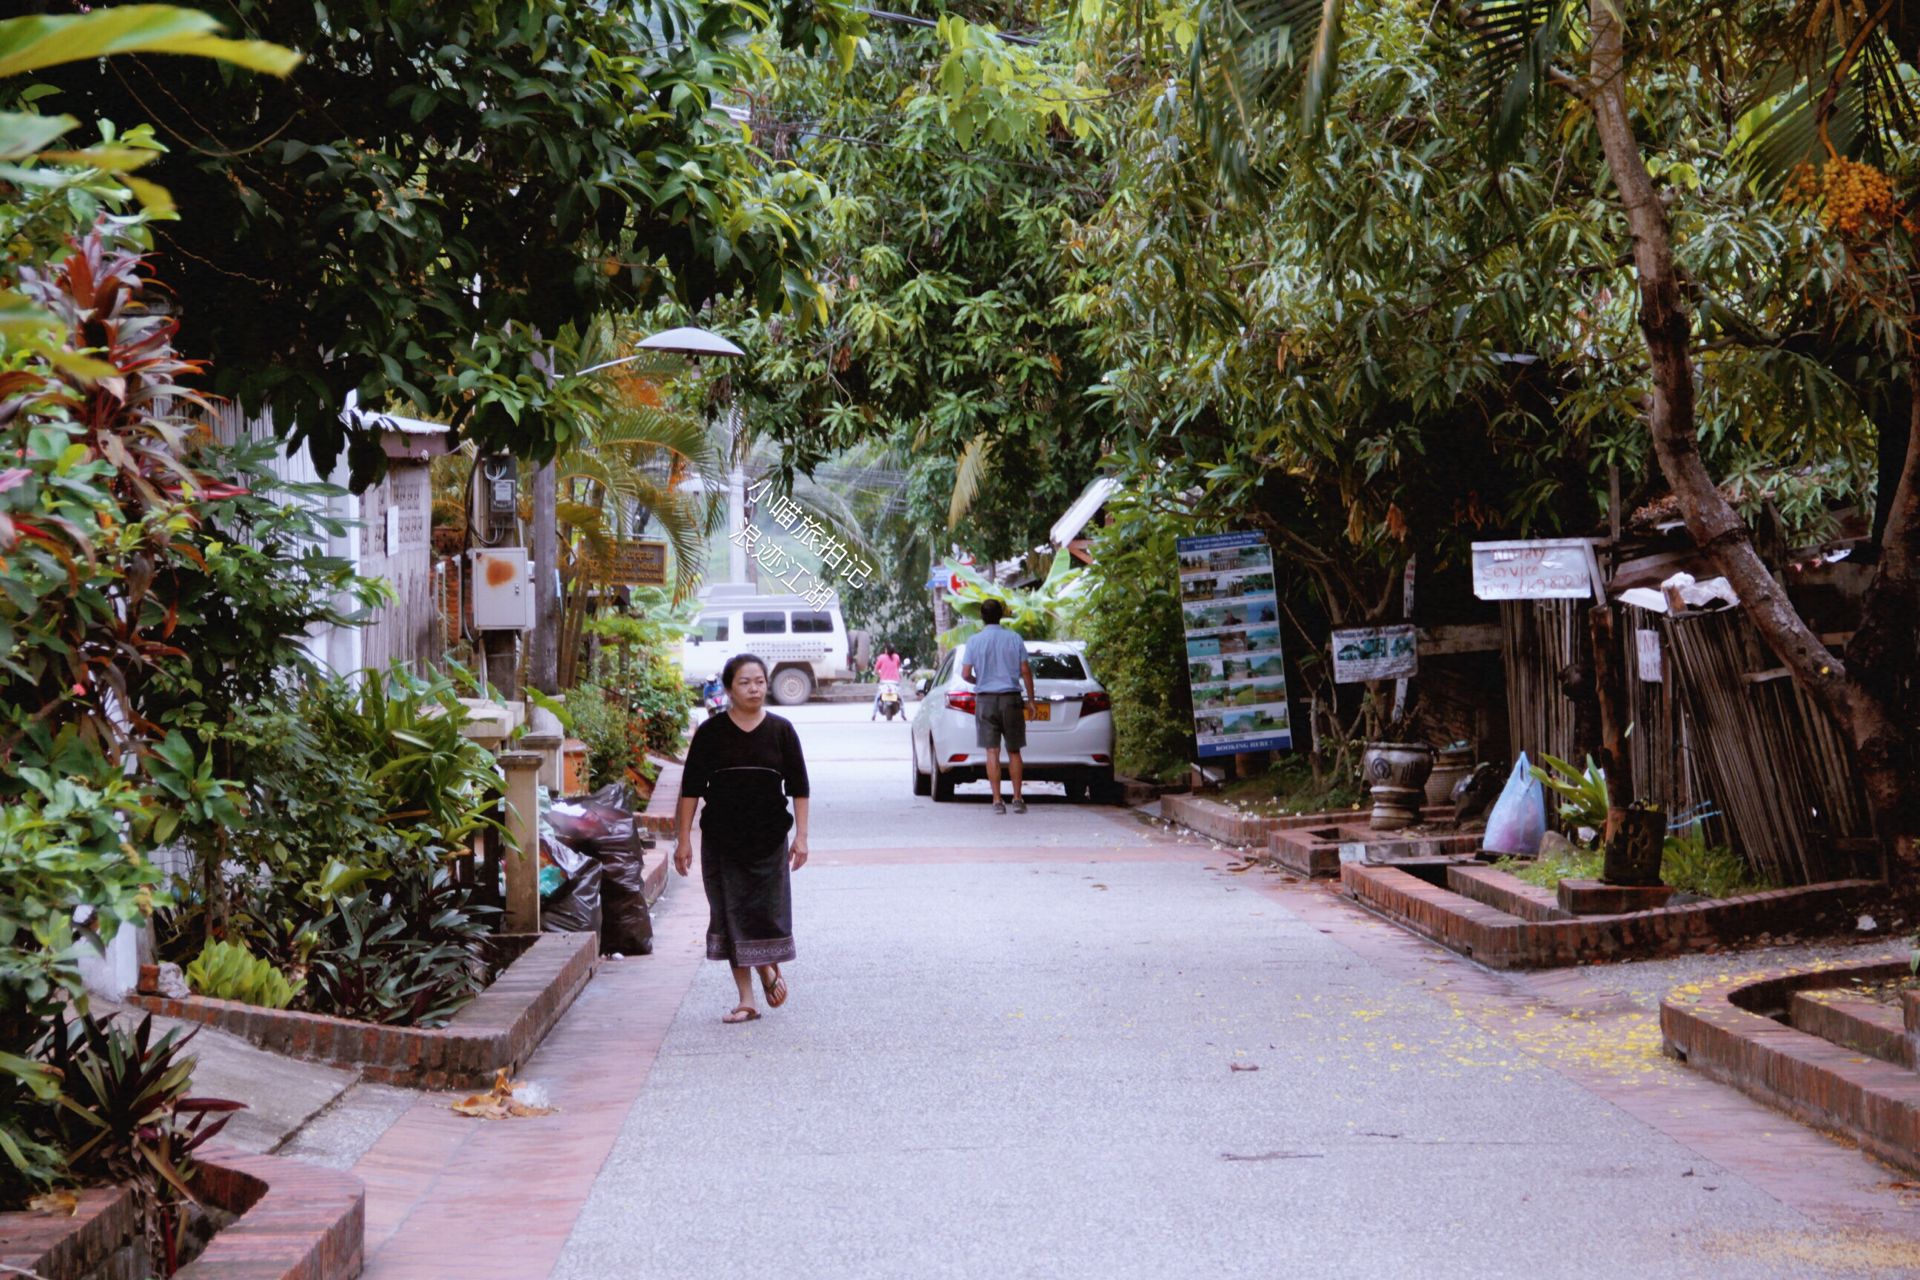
(43, 1244)
(298, 1221)
(1724, 1033)
(1503, 940)
(500, 1028)
(1217, 821)
(658, 815)
(1877, 1030)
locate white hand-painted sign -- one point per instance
(1547, 569)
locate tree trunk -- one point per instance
(1881, 747)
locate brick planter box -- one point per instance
(500, 1028)
(1725, 1032)
(1217, 821)
(1315, 844)
(296, 1222)
(1505, 940)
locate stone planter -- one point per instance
(1452, 765)
(1397, 774)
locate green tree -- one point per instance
(955, 162)
(445, 189)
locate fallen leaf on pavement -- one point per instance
(62, 1204)
(1243, 1066)
(499, 1103)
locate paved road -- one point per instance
(1076, 1044)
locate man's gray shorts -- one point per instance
(997, 716)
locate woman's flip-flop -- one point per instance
(776, 990)
(741, 1013)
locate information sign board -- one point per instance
(1375, 653)
(1235, 666)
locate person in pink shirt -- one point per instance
(885, 667)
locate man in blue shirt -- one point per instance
(996, 665)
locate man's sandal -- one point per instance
(776, 990)
(741, 1013)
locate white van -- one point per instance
(803, 646)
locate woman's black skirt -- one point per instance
(750, 902)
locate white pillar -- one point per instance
(736, 521)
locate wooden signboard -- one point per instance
(636, 563)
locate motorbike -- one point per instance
(890, 698)
(713, 696)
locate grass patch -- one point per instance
(1289, 787)
(1688, 863)
(1570, 862)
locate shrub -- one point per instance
(1136, 643)
(1690, 864)
(635, 670)
(125, 1117)
(616, 746)
(61, 849)
(228, 971)
(409, 956)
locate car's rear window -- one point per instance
(1056, 666)
(818, 623)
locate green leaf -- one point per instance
(22, 133)
(28, 44)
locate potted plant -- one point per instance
(1394, 768)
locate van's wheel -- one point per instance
(791, 686)
(1104, 789)
(1076, 792)
(922, 784)
(942, 787)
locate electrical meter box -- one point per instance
(502, 590)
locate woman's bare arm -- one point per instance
(799, 832)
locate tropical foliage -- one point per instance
(446, 190)
(953, 162)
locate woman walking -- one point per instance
(745, 765)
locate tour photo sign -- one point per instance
(1544, 569)
(1375, 653)
(1234, 663)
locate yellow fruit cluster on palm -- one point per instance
(1852, 197)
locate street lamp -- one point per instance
(684, 341)
(543, 654)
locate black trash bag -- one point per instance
(575, 906)
(602, 826)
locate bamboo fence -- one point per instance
(1768, 759)
(1541, 638)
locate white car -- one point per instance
(803, 646)
(1069, 739)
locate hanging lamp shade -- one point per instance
(689, 341)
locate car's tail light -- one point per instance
(958, 757)
(960, 700)
(1095, 701)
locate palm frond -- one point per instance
(1512, 47)
(967, 475)
(1843, 89)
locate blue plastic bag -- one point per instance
(1519, 817)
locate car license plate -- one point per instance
(1040, 711)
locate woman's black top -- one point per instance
(745, 778)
